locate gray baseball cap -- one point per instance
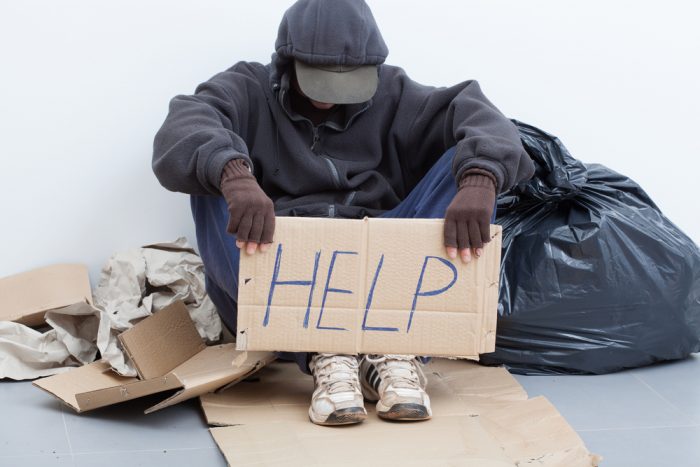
(337, 84)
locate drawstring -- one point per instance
(275, 117)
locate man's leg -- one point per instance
(221, 256)
(432, 195)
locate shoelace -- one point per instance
(337, 372)
(402, 370)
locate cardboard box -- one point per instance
(26, 297)
(482, 417)
(367, 286)
(169, 354)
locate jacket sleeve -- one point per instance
(463, 117)
(202, 132)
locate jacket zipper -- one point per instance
(316, 138)
(350, 198)
(331, 166)
(334, 171)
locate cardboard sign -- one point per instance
(367, 286)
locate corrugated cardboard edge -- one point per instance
(489, 319)
(95, 385)
(178, 245)
(162, 341)
(211, 369)
(25, 297)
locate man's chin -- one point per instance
(321, 105)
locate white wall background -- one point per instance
(84, 86)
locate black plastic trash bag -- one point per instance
(594, 278)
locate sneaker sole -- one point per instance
(405, 412)
(347, 416)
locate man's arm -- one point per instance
(200, 149)
(489, 156)
(201, 134)
(461, 116)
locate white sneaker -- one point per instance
(337, 399)
(397, 383)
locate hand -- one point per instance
(468, 216)
(251, 211)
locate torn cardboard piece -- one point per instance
(170, 355)
(367, 286)
(481, 417)
(26, 297)
(58, 295)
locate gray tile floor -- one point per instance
(648, 417)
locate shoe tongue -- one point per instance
(340, 381)
(341, 376)
(402, 374)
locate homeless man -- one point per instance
(327, 129)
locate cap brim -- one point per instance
(333, 87)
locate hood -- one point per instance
(327, 32)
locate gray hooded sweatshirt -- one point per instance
(365, 158)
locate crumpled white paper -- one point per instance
(135, 283)
(26, 353)
(132, 285)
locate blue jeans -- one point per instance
(429, 199)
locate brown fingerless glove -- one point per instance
(251, 211)
(468, 216)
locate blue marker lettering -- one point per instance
(369, 302)
(428, 293)
(275, 275)
(331, 289)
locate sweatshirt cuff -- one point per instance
(218, 161)
(487, 167)
(478, 177)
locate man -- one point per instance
(327, 129)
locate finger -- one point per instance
(478, 252)
(450, 234)
(264, 247)
(244, 227)
(240, 244)
(474, 235)
(269, 227)
(462, 235)
(465, 254)
(256, 228)
(251, 247)
(451, 252)
(463, 242)
(485, 228)
(234, 220)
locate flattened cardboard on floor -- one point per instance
(367, 286)
(25, 297)
(169, 353)
(481, 418)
